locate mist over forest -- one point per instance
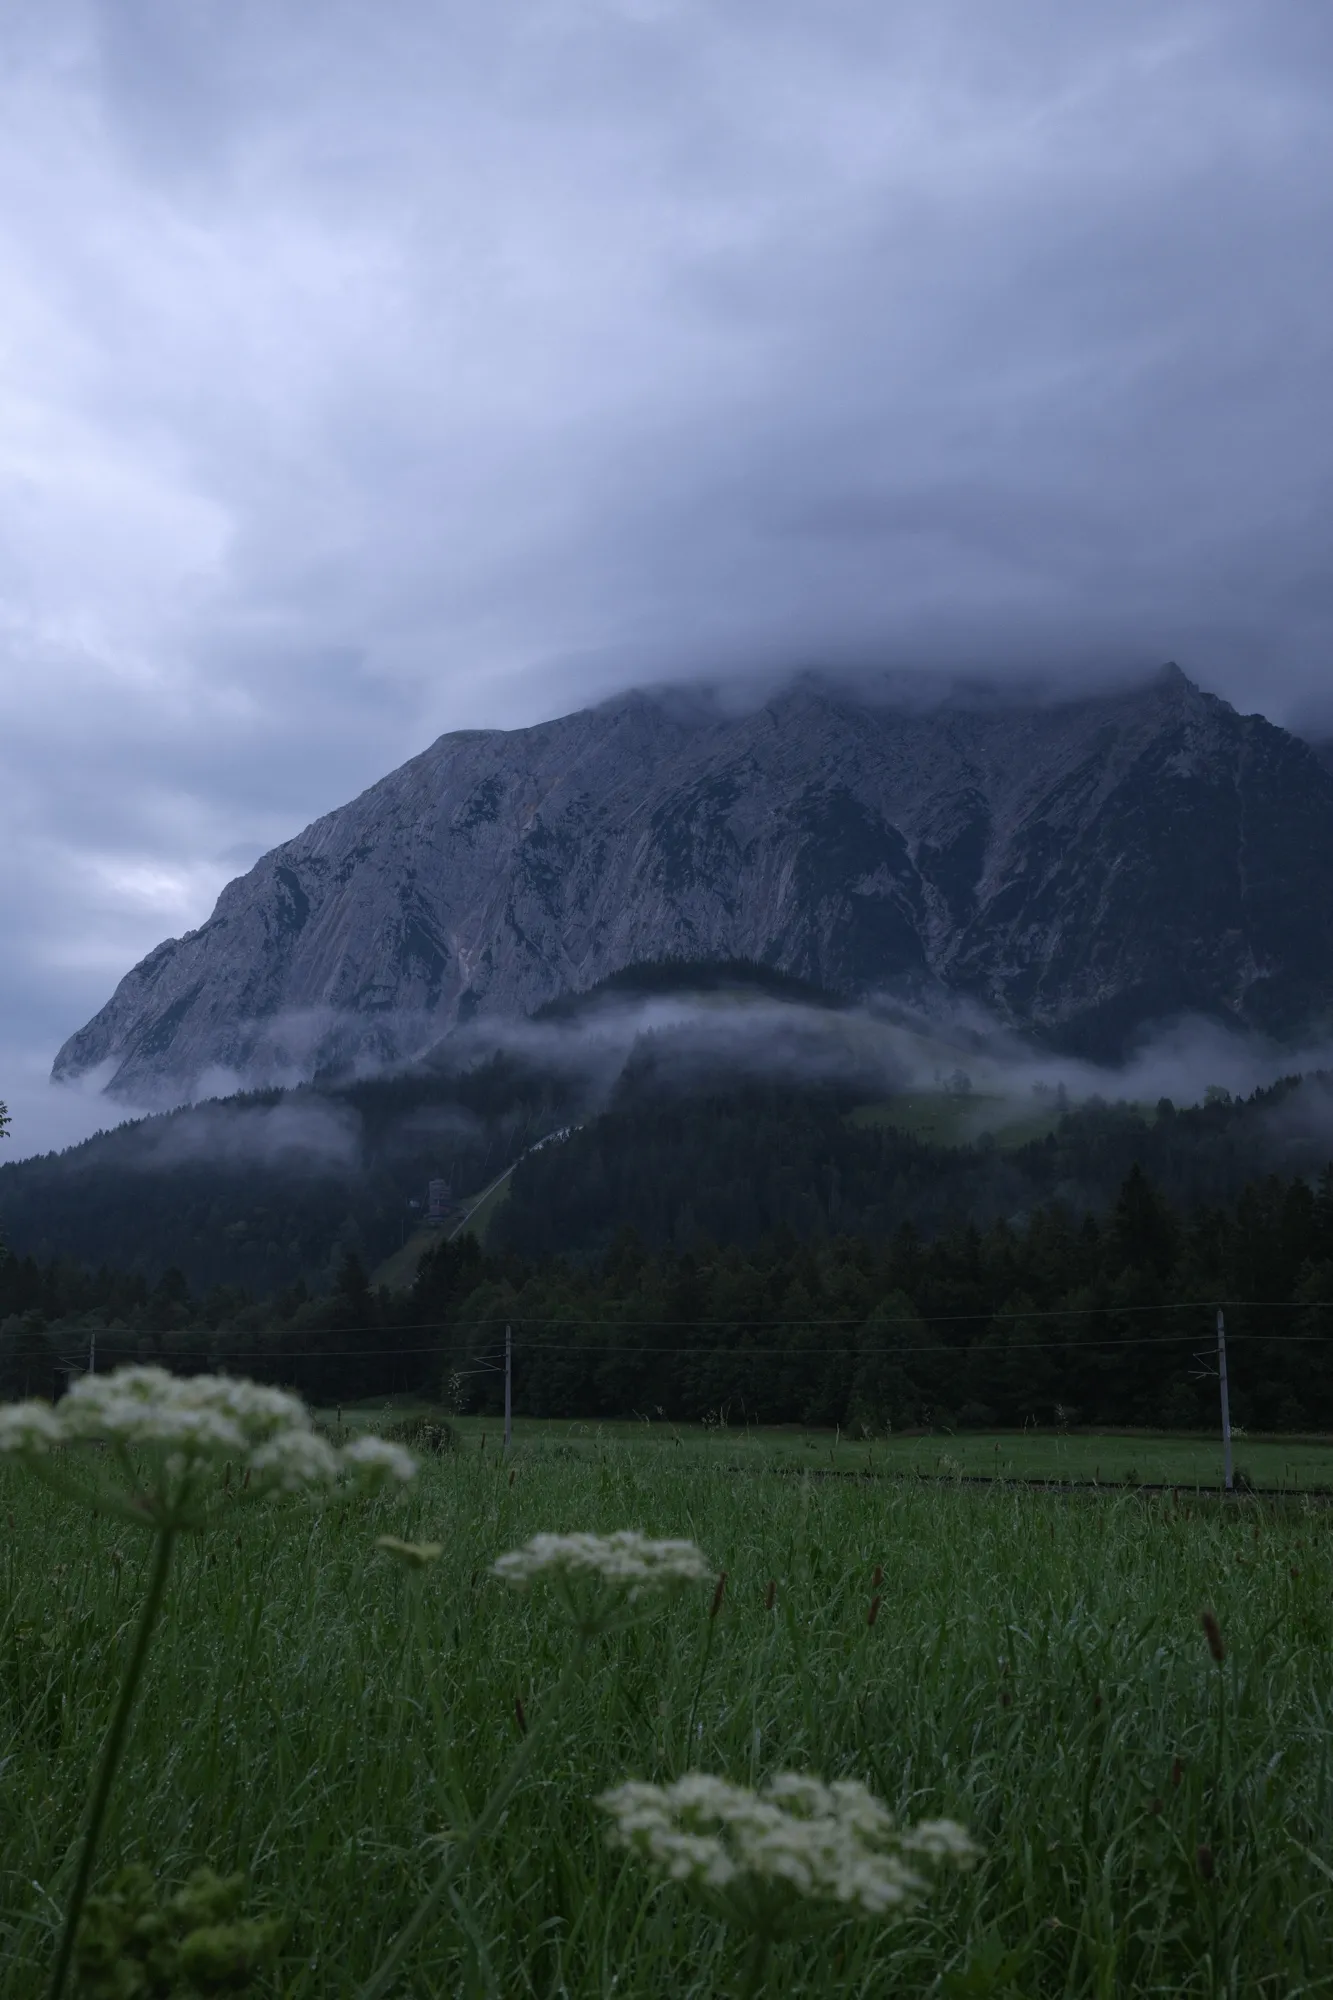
(877, 1115)
(727, 1152)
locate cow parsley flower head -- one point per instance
(161, 1450)
(594, 1577)
(28, 1428)
(375, 1459)
(206, 1415)
(294, 1461)
(166, 1438)
(626, 1559)
(778, 1858)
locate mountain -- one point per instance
(1079, 867)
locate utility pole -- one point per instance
(1226, 1404)
(92, 1352)
(509, 1406)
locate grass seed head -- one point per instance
(412, 1555)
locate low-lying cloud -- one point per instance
(300, 1133)
(963, 1051)
(995, 1079)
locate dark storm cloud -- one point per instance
(369, 372)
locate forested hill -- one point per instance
(766, 1250)
(737, 1166)
(261, 1193)
(271, 1188)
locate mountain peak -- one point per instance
(1079, 866)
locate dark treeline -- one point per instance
(1060, 1317)
(1063, 1319)
(57, 1320)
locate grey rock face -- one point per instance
(1080, 868)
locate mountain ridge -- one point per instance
(1078, 868)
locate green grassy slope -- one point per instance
(941, 1118)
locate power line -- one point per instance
(276, 1351)
(853, 1320)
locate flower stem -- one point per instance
(111, 1753)
(485, 1822)
(698, 1691)
(756, 1964)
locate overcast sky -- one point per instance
(370, 370)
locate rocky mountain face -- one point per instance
(1081, 868)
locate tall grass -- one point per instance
(1154, 1821)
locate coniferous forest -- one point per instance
(758, 1254)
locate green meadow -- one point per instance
(1274, 1465)
(944, 1118)
(1153, 1820)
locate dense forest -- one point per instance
(1062, 1319)
(1059, 1317)
(733, 1165)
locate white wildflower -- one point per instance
(28, 1427)
(182, 1428)
(193, 1433)
(939, 1840)
(834, 1844)
(260, 1412)
(293, 1461)
(625, 1560)
(371, 1456)
(204, 1416)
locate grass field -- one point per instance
(483, 1213)
(1274, 1464)
(399, 1270)
(1153, 1822)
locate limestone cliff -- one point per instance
(1081, 868)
